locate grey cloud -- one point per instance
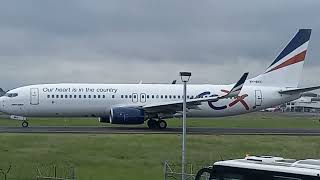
(125, 41)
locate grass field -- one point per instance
(138, 157)
(253, 120)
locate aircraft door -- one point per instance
(143, 97)
(258, 99)
(34, 96)
(135, 97)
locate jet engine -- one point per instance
(127, 115)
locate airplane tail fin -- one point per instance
(286, 69)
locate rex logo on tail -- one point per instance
(153, 103)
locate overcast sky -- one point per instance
(125, 41)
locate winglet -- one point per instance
(237, 87)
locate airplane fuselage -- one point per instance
(96, 100)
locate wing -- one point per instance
(173, 107)
(299, 90)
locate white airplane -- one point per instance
(137, 103)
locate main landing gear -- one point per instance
(25, 124)
(157, 124)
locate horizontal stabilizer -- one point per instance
(299, 90)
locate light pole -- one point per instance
(185, 76)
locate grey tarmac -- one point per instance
(145, 130)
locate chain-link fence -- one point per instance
(37, 172)
(172, 171)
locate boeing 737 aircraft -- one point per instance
(137, 103)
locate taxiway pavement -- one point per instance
(144, 130)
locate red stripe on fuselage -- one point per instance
(295, 59)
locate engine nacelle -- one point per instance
(105, 119)
(127, 115)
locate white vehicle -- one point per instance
(137, 103)
(262, 168)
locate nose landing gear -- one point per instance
(157, 124)
(25, 124)
(20, 118)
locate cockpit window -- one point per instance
(11, 94)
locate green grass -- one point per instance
(253, 120)
(138, 157)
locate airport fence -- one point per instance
(37, 172)
(172, 171)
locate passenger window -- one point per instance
(187, 97)
(70, 96)
(99, 96)
(134, 96)
(178, 97)
(65, 96)
(152, 96)
(48, 96)
(57, 96)
(112, 96)
(103, 96)
(121, 96)
(52, 96)
(94, 96)
(174, 97)
(165, 96)
(147, 96)
(84, 96)
(126, 96)
(61, 96)
(130, 96)
(170, 96)
(74, 96)
(79, 96)
(89, 96)
(161, 96)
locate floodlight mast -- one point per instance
(185, 77)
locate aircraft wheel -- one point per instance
(152, 124)
(25, 124)
(162, 124)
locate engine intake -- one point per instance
(127, 115)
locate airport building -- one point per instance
(309, 102)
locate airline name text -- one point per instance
(80, 90)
